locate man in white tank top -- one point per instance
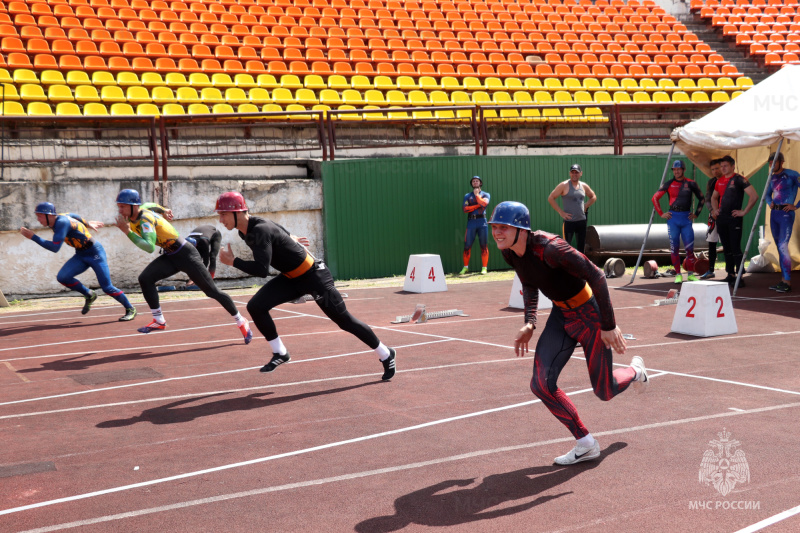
(576, 197)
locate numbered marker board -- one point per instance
(704, 310)
(424, 274)
(515, 300)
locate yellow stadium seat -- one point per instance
(725, 82)
(481, 98)
(222, 80)
(383, 83)
(445, 114)
(330, 97)
(533, 84)
(338, 82)
(12, 109)
(552, 114)
(501, 98)
(667, 85)
(259, 96)
(282, 96)
(267, 81)
(163, 95)
(629, 84)
(323, 108)
(173, 109)
(734, 94)
(22, 75)
(661, 97)
(199, 80)
(594, 114)
(700, 96)
(554, 84)
(460, 98)
(396, 98)
(297, 107)
(348, 116)
(602, 97)
(5, 76)
(493, 84)
(315, 82)
(188, 95)
(9, 92)
(112, 94)
(68, 109)
(360, 83)
(398, 115)
(422, 115)
(60, 93)
(291, 81)
(39, 109)
(573, 114)
(94, 109)
(148, 110)
(30, 92)
(706, 84)
(137, 95)
(562, 97)
(572, 84)
(235, 96)
(513, 84)
(373, 113)
(582, 97)
(125, 79)
(222, 109)
(245, 81)
(531, 114)
(78, 77)
(720, 96)
(152, 79)
(247, 108)
(50, 77)
(641, 97)
(102, 78)
(306, 97)
(449, 83)
(621, 97)
(523, 98)
(610, 84)
(647, 84)
(428, 83)
(122, 110)
(418, 98)
(744, 82)
(686, 84)
(439, 98)
(406, 83)
(472, 84)
(542, 97)
(198, 109)
(211, 96)
(176, 80)
(352, 97)
(680, 97)
(85, 94)
(591, 84)
(374, 97)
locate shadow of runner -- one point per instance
(432, 506)
(173, 413)
(8, 331)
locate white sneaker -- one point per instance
(579, 454)
(640, 385)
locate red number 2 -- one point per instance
(412, 273)
(720, 314)
(693, 301)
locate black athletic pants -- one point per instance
(730, 235)
(209, 250)
(317, 282)
(578, 229)
(188, 261)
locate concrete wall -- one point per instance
(283, 193)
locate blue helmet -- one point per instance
(476, 178)
(129, 196)
(679, 164)
(46, 208)
(512, 214)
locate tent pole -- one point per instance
(755, 221)
(652, 214)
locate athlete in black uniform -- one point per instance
(207, 240)
(301, 274)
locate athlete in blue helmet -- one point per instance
(72, 229)
(582, 313)
(474, 206)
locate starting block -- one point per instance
(308, 298)
(704, 310)
(424, 274)
(421, 315)
(671, 299)
(515, 300)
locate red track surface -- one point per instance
(322, 445)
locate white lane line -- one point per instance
(730, 382)
(736, 409)
(101, 316)
(194, 376)
(758, 526)
(77, 307)
(384, 434)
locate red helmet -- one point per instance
(230, 202)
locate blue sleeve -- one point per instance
(60, 229)
(488, 197)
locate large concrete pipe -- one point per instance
(623, 238)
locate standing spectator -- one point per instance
(726, 205)
(781, 195)
(712, 236)
(475, 203)
(576, 197)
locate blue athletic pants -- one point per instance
(93, 257)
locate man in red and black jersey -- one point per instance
(301, 274)
(582, 313)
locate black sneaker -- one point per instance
(730, 278)
(781, 287)
(130, 314)
(275, 362)
(89, 301)
(733, 282)
(389, 366)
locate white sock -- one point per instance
(240, 320)
(587, 441)
(277, 346)
(158, 316)
(382, 351)
(638, 373)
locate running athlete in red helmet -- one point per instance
(301, 274)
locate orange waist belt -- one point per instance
(304, 267)
(577, 300)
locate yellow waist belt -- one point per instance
(577, 300)
(304, 267)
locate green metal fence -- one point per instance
(377, 212)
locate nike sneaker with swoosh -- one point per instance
(579, 454)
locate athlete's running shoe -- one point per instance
(678, 279)
(692, 277)
(463, 271)
(275, 362)
(130, 314)
(389, 368)
(153, 326)
(247, 333)
(640, 385)
(708, 275)
(579, 454)
(781, 287)
(89, 301)
(484, 270)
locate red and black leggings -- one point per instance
(564, 329)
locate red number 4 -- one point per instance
(431, 275)
(413, 270)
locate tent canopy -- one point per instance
(749, 127)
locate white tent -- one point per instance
(748, 128)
